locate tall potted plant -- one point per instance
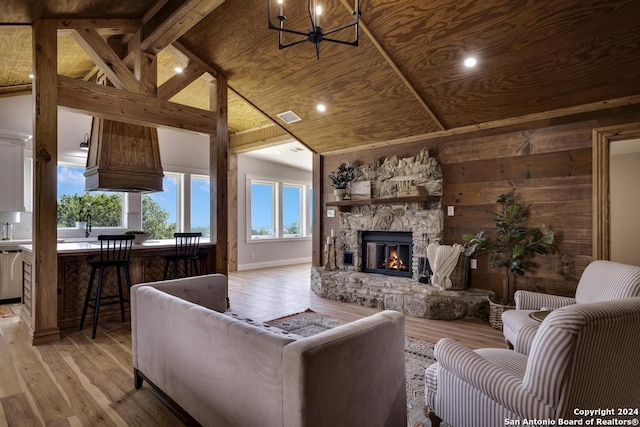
(510, 249)
(341, 178)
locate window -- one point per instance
(263, 224)
(160, 211)
(77, 205)
(292, 210)
(200, 205)
(278, 210)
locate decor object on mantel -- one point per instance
(315, 32)
(407, 187)
(341, 179)
(513, 245)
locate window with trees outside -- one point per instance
(279, 210)
(160, 211)
(76, 205)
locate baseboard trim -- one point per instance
(276, 263)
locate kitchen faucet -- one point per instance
(87, 230)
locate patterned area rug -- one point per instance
(10, 310)
(418, 356)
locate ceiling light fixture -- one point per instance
(84, 145)
(178, 70)
(470, 62)
(321, 108)
(31, 76)
(315, 34)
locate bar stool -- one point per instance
(187, 249)
(115, 251)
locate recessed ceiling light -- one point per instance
(470, 62)
(321, 108)
(31, 76)
(178, 70)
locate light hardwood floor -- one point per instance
(84, 382)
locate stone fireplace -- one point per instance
(418, 225)
(382, 238)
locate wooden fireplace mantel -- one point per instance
(345, 205)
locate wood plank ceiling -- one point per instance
(536, 59)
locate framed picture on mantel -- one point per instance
(360, 190)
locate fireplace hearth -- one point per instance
(387, 252)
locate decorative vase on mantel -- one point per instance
(340, 193)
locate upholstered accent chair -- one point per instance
(583, 356)
(600, 281)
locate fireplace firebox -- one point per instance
(387, 252)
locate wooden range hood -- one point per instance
(123, 157)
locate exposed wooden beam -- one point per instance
(192, 57)
(396, 70)
(107, 60)
(115, 104)
(15, 90)
(91, 74)
(180, 81)
(44, 292)
(232, 234)
(512, 121)
(104, 27)
(316, 226)
(173, 20)
(218, 174)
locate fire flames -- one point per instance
(394, 262)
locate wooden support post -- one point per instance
(232, 229)
(218, 174)
(318, 212)
(44, 307)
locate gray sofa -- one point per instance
(227, 372)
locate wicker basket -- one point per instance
(460, 275)
(495, 313)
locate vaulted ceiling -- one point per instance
(536, 59)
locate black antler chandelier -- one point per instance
(315, 34)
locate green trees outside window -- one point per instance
(106, 211)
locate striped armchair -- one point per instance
(600, 281)
(584, 356)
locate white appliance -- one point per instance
(10, 274)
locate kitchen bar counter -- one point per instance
(85, 247)
(147, 265)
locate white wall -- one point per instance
(624, 175)
(267, 253)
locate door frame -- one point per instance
(602, 138)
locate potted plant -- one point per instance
(341, 178)
(512, 246)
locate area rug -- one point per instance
(10, 310)
(418, 356)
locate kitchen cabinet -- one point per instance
(11, 172)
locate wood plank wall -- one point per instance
(547, 164)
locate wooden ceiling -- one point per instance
(536, 59)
